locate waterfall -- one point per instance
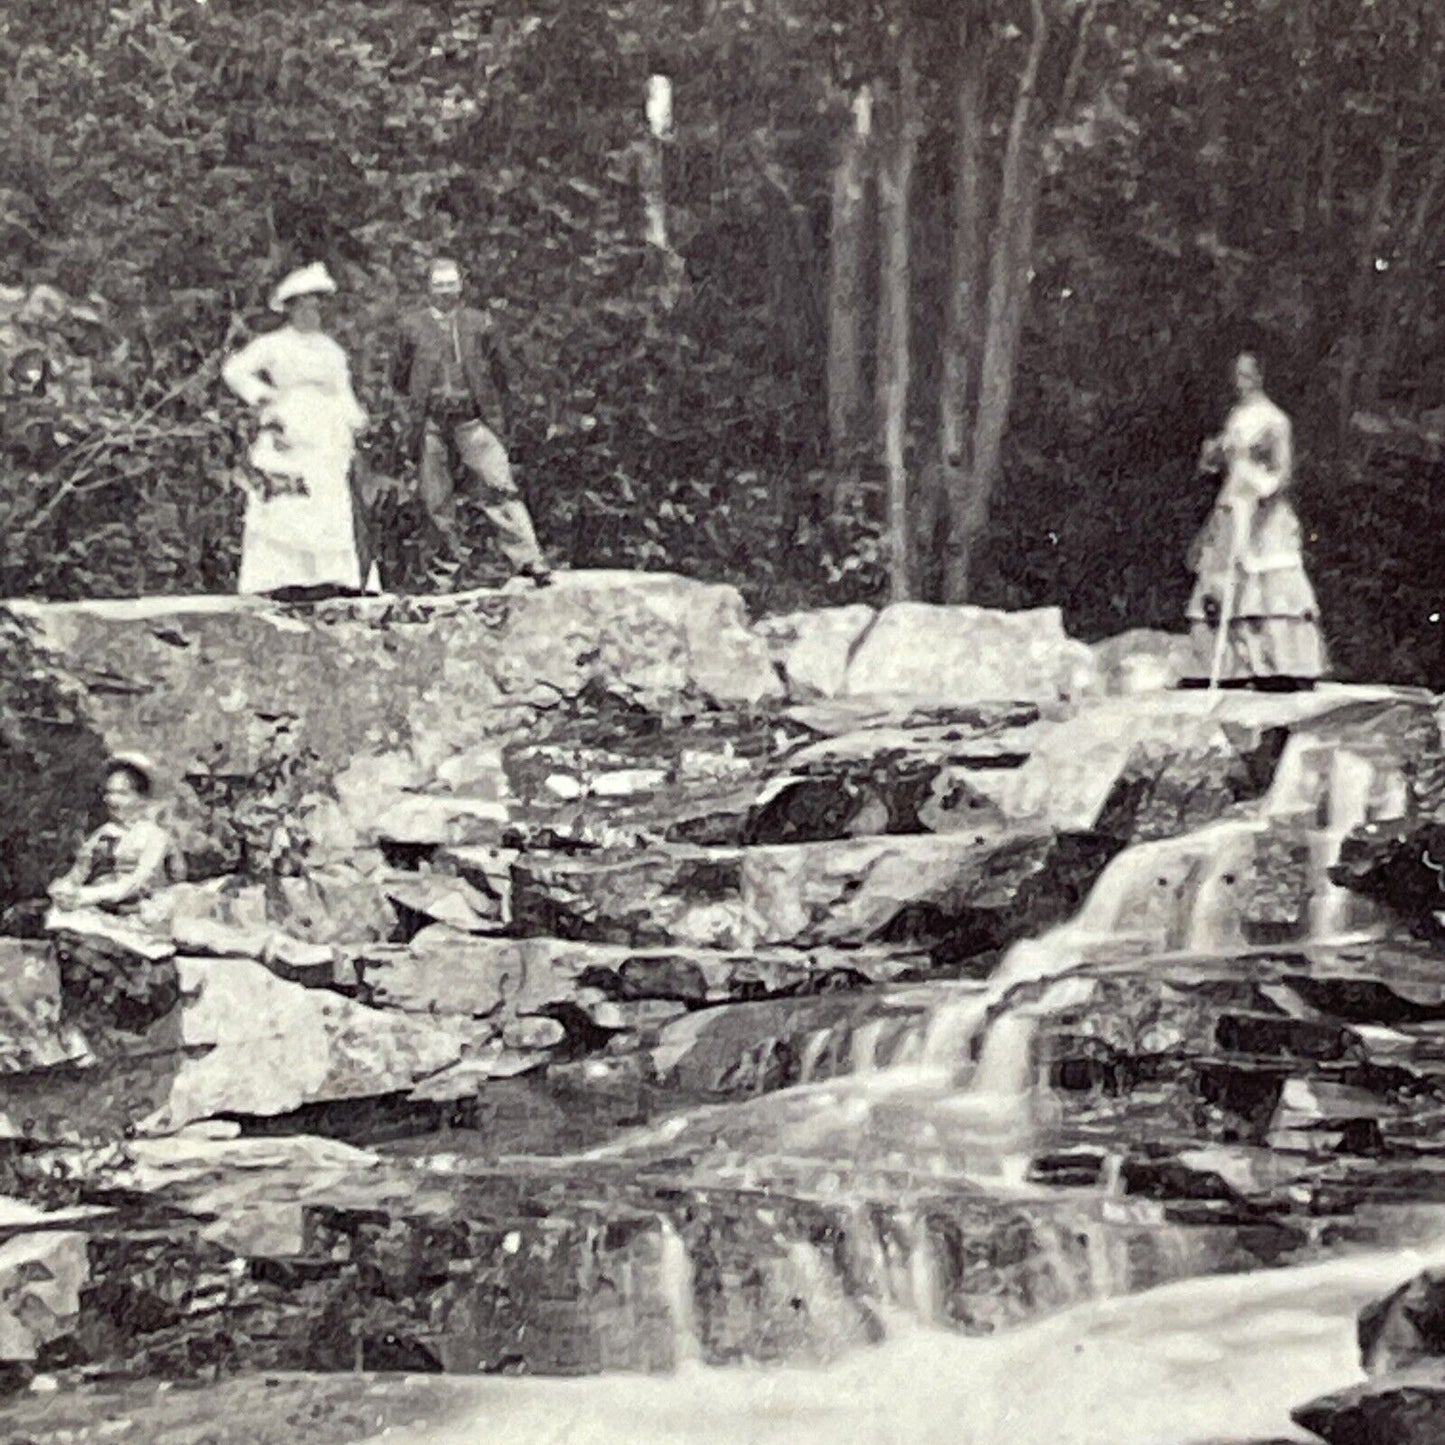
(924, 1285)
(813, 1052)
(1352, 783)
(1180, 894)
(863, 1052)
(675, 1278)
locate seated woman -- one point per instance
(1253, 615)
(126, 860)
(117, 889)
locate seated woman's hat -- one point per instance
(137, 763)
(312, 280)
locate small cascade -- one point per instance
(863, 1051)
(675, 1277)
(1334, 910)
(1005, 1062)
(812, 1055)
(1213, 923)
(814, 1282)
(925, 1287)
(1180, 895)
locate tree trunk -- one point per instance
(1392, 320)
(1353, 340)
(847, 288)
(652, 172)
(895, 185)
(1010, 251)
(963, 320)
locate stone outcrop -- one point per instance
(259, 710)
(592, 879)
(970, 654)
(1406, 1408)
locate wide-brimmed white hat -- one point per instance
(312, 280)
(138, 763)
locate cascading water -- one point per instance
(1180, 894)
(675, 1280)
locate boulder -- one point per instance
(850, 891)
(446, 971)
(1403, 1408)
(971, 654)
(1399, 863)
(1405, 1328)
(254, 706)
(449, 899)
(41, 1278)
(1143, 660)
(812, 650)
(248, 1043)
(338, 905)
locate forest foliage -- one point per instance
(1185, 180)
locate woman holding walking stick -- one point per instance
(1253, 615)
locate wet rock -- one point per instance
(1165, 789)
(1406, 1327)
(756, 1048)
(248, 1043)
(812, 649)
(1385, 981)
(1398, 864)
(1273, 1035)
(971, 654)
(41, 1277)
(243, 707)
(1403, 1408)
(1275, 891)
(32, 1035)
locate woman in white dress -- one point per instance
(1249, 560)
(300, 530)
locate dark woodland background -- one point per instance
(996, 322)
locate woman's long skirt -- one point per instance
(1273, 617)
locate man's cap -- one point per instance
(444, 273)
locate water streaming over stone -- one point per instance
(1182, 894)
(677, 1285)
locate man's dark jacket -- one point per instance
(420, 361)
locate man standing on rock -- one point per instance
(451, 367)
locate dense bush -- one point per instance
(163, 161)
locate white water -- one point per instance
(1181, 894)
(1210, 1358)
(676, 1283)
(1222, 1358)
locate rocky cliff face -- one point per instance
(680, 989)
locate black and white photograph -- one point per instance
(722, 722)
